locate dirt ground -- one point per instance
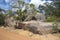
(6, 34)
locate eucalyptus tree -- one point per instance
(32, 12)
(57, 8)
(18, 5)
(49, 9)
(28, 10)
(53, 9)
(41, 8)
(32, 6)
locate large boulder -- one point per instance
(38, 27)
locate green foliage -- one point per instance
(21, 18)
(2, 19)
(21, 15)
(55, 27)
(51, 18)
(51, 9)
(41, 8)
(58, 19)
(32, 5)
(10, 13)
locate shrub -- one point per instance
(51, 18)
(58, 19)
(2, 18)
(55, 27)
(21, 18)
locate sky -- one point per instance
(5, 4)
(37, 2)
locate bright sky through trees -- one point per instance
(5, 4)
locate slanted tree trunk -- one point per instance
(28, 18)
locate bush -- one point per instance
(2, 18)
(58, 19)
(55, 27)
(51, 18)
(21, 18)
